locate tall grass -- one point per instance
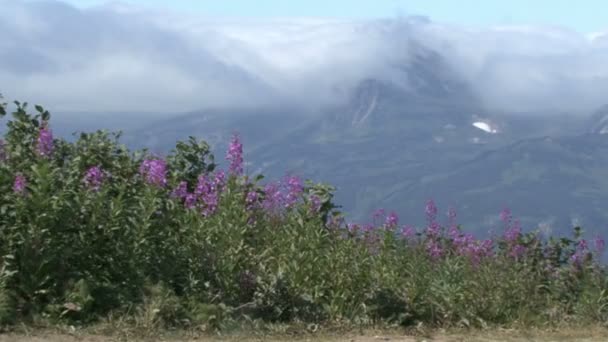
(90, 229)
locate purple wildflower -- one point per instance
(582, 251)
(19, 184)
(476, 250)
(251, 199)
(505, 216)
(487, 246)
(353, 228)
(408, 232)
(431, 211)
(517, 251)
(434, 249)
(392, 220)
(368, 228)
(207, 191)
(203, 186)
(180, 191)
(453, 232)
(235, 156)
(599, 245)
(44, 143)
(513, 232)
(582, 245)
(220, 180)
(294, 190)
(377, 215)
(433, 230)
(211, 202)
(190, 201)
(462, 242)
(93, 178)
(452, 218)
(154, 172)
(576, 259)
(273, 198)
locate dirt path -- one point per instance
(582, 335)
(438, 338)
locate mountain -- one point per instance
(417, 132)
(598, 124)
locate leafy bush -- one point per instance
(89, 228)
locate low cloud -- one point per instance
(121, 58)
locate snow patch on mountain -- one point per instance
(485, 126)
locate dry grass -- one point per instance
(583, 334)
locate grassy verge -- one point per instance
(107, 333)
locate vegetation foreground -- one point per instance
(91, 232)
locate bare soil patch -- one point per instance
(582, 334)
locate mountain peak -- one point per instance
(599, 121)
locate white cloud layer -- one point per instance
(120, 58)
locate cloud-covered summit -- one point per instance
(122, 58)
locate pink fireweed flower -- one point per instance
(180, 191)
(434, 250)
(462, 241)
(220, 180)
(19, 184)
(294, 190)
(513, 232)
(431, 211)
(452, 215)
(582, 245)
(208, 193)
(273, 198)
(235, 156)
(517, 251)
(433, 230)
(599, 245)
(154, 172)
(353, 228)
(93, 178)
(476, 250)
(368, 228)
(252, 203)
(251, 199)
(203, 186)
(392, 220)
(576, 259)
(44, 142)
(190, 201)
(378, 216)
(452, 219)
(453, 232)
(487, 246)
(407, 232)
(210, 202)
(505, 216)
(581, 253)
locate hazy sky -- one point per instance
(140, 56)
(579, 15)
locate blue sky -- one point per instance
(581, 15)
